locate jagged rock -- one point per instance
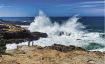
(10, 31)
(64, 48)
(16, 34)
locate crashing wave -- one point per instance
(42, 23)
(69, 33)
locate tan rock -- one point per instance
(40, 55)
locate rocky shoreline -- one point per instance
(55, 54)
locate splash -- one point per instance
(69, 33)
(42, 23)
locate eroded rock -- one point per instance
(64, 48)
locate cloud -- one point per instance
(91, 4)
(88, 6)
(2, 6)
(94, 2)
(92, 8)
(85, 4)
(94, 11)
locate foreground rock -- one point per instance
(51, 55)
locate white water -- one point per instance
(69, 33)
(42, 23)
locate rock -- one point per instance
(10, 31)
(91, 62)
(44, 55)
(2, 46)
(102, 35)
(15, 34)
(39, 34)
(98, 52)
(64, 48)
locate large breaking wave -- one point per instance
(68, 33)
(42, 23)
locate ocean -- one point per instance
(94, 24)
(85, 32)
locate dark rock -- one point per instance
(102, 35)
(39, 34)
(78, 39)
(2, 46)
(17, 41)
(15, 34)
(64, 48)
(9, 31)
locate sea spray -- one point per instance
(69, 33)
(42, 23)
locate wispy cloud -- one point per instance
(88, 6)
(2, 6)
(91, 4)
(85, 4)
(94, 2)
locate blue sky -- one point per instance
(20, 8)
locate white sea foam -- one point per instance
(100, 49)
(11, 46)
(69, 33)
